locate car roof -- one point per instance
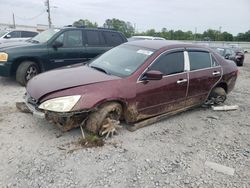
(158, 44)
(147, 37)
(89, 28)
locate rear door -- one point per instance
(161, 96)
(72, 50)
(95, 43)
(204, 73)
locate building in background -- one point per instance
(38, 27)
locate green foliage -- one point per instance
(125, 27)
(243, 36)
(128, 30)
(86, 23)
(209, 35)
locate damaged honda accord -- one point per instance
(137, 82)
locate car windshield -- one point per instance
(2, 33)
(45, 35)
(121, 61)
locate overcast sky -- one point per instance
(229, 15)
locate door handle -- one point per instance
(216, 73)
(181, 81)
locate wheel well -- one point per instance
(223, 85)
(122, 103)
(18, 61)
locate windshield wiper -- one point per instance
(99, 69)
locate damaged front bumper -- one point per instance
(64, 120)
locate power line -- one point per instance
(32, 18)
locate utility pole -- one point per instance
(14, 22)
(48, 10)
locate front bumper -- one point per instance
(5, 69)
(65, 121)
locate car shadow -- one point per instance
(9, 81)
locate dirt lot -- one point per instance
(171, 153)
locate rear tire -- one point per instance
(25, 71)
(240, 64)
(218, 95)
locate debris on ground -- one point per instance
(225, 108)
(110, 128)
(220, 168)
(213, 117)
(21, 106)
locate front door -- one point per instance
(160, 96)
(72, 51)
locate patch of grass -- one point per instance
(91, 141)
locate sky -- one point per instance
(232, 16)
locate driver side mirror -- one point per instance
(8, 36)
(57, 44)
(152, 75)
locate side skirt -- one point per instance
(147, 122)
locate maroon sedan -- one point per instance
(133, 82)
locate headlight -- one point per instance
(3, 57)
(60, 104)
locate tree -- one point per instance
(125, 27)
(86, 23)
(243, 36)
(211, 34)
(225, 36)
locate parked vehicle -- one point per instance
(231, 54)
(16, 35)
(132, 82)
(55, 48)
(240, 56)
(144, 38)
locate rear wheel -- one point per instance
(240, 63)
(218, 95)
(25, 71)
(105, 121)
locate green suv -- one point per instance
(55, 48)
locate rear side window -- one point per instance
(94, 38)
(214, 62)
(112, 38)
(169, 63)
(199, 60)
(28, 34)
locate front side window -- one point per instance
(199, 60)
(71, 38)
(169, 63)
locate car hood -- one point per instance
(65, 78)
(9, 45)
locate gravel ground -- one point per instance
(170, 153)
